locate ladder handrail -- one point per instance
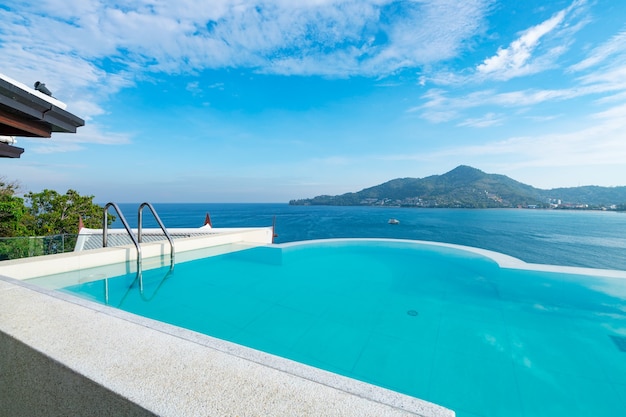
(105, 228)
(161, 225)
(137, 243)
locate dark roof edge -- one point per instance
(10, 151)
(31, 103)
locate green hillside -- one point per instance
(469, 187)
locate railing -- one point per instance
(158, 219)
(137, 243)
(31, 246)
(105, 228)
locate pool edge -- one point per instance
(502, 260)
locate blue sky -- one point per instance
(267, 101)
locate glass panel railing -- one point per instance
(29, 246)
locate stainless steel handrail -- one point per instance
(136, 242)
(161, 225)
(105, 228)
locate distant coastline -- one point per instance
(467, 187)
(564, 207)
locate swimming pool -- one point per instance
(439, 323)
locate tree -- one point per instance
(54, 213)
(49, 224)
(12, 210)
(8, 188)
(12, 216)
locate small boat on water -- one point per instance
(393, 221)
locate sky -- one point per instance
(267, 101)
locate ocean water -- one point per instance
(593, 239)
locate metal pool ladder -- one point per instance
(136, 240)
(161, 225)
(105, 230)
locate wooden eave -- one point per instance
(10, 151)
(23, 113)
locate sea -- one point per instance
(593, 239)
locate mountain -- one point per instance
(469, 187)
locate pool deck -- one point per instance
(66, 356)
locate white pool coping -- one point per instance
(171, 371)
(501, 259)
(71, 261)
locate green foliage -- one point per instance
(14, 248)
(592, 194)
(462, 187)
(49, 224)
(54, 213)
(27, 246)
(468, 187)
(12, 215)
(8, 188)
(12, 210)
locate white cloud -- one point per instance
(316, 36)
(612, 75)
(87, 50)
(614, 114)
(89, 134)
(441, 106)
(194, 87)
(427, 32)
(616, 46)
(489, 119)
(516, 59)
(526, 55)
(544, 118)
(440, 116)
(601, 143)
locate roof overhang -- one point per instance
(10, 151)
(30, 113)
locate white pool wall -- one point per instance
(26, 268)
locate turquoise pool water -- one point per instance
(441, 324)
